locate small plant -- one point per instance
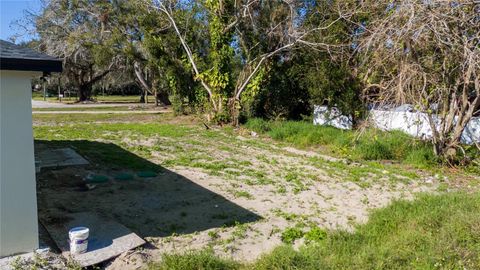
(291, 176)
(289, 235)
(240, 231)
(315, 234)
(243, 194)
(281, 190)
(213, 235)
(287, 216)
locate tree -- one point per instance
(426, 53)
(81, 33)
(247, 32)
(153, 53)
(282, 94)
(330, 73)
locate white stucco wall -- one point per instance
(322, 115)
(18, 200)
(413, 123)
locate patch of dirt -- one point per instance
(234, 194)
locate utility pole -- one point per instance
(59, 93)
(44, 89)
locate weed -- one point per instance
(242, 193)
(213, 235)
(315, 234)
(290, 234)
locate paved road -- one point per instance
(53, 105)
(102, 111)
(46, 104)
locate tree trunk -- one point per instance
(234, 107)
(162, 96)
(84, 92)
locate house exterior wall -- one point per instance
(18, 200)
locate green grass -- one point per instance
(78, 118)
(106, 131)
(102, 143)
(431, 232)
(99, 98)
(121, 99)
(194, 260)
(371, 145)
(39, 96)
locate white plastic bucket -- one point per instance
(78, 239)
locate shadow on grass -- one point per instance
(152, 207)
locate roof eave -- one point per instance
(22, 64)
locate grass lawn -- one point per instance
(432, 232)
(370, 145)
(121, 99)
(99, 98)
(73, 118)
(310, 187)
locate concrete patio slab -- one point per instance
(51, 158)
(107, 238)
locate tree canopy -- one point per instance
(230, 59)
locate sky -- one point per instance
(11, 11)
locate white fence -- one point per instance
(413, 123)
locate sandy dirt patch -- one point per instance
(236, 195)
